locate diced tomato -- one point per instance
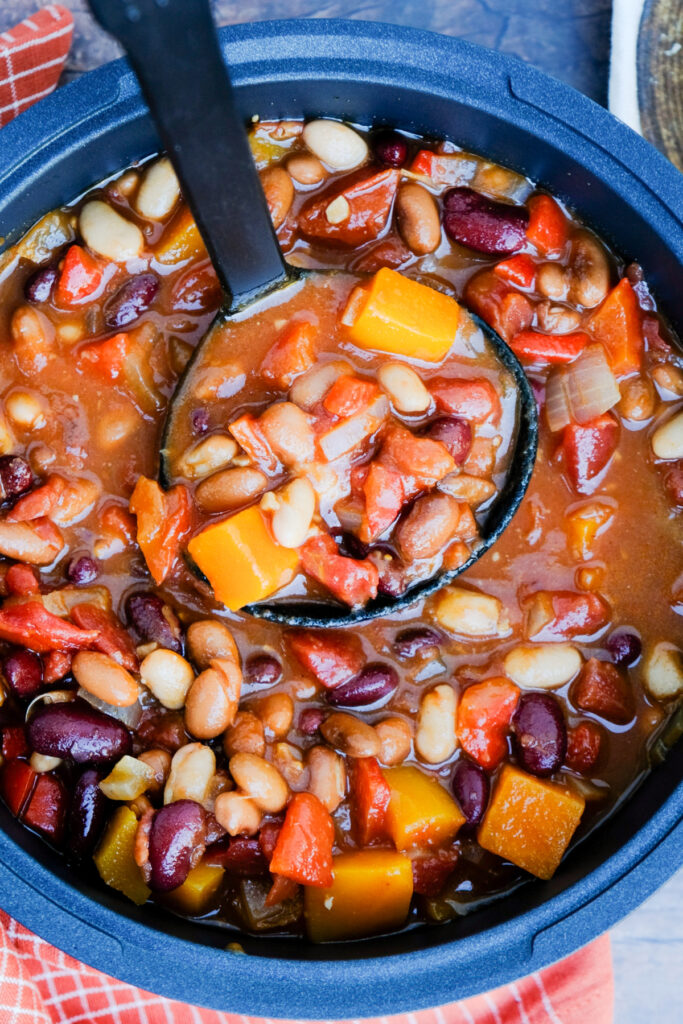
(31, 625)
(353, 581)
(369, 200)
(281, 890)
(617, 326)
(519, 270)
(119, 522)
(475, 400)
(80, 278)
(291, 354)
(548, 228)
(112, 638)
(46, 808)
(332, 657)
(563, 615)
(370, 795)
(549, 348)
(426, 460)
(21, 579)
(604, 691)
(507, 311)
(303, 851)
(58, 499)
(350, 395)
(106, 358)
(431, 871)
(248, 434)
(384, 497)
(56, 665)
(17, 779)
(389, 252)
(583, 747)
(444, 168)
(483, 720)
(587, 449)
(14, 742)
(164, 519)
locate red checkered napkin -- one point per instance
(32, 56)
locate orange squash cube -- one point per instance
(194, 896)
(181, 240)
(115, 857)
(530, 821)
(398, 315)
(371, 893)
(241, 560)
(420, 812)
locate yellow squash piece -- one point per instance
(115, 860)
(241, 560)
(398, 315)
(371, 893)
(530, 821)
(194, 896)
(420, 811)
(181, 240)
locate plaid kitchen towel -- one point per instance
(32, 56)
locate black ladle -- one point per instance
(173, 48)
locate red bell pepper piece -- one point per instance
(31, 625)
(384, 497)
(80, 278)
(602, 690)
(118, 522)
(388, 252)
(507, 311)
(164, 519)
(21, 580)
(112, 638)
(475, 400)
(248, 434)
(281, 890)
(46, 808)
(563, 614)
(548, 229)
(17, 779)
(425, 460)
(483, 720)
(370, 795)
(332, 657)
(617, 326)
(14, 742)
(351, 580)
(56, 665)
(349, 395)
(587, 448)
(291, 354)
(107, 359)
(549, 348)
(369, 202)
(583, 747)
(443, 168)
(303, 851)
(519, 270)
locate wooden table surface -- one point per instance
(570, 40)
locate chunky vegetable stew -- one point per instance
(332, 783)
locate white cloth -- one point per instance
(623, 77)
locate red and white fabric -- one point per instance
(32, 56)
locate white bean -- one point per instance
(667, 440)
(312, 386)
(435, 735)
(44, 762)
(335, 144)
(663, 671)
(192, 770)
(294, 514)
(169, 676)
(289, 433)
(542, 666)
(403, 387)
(159, 191)
(26, 410)
(260, 781)
(209, 455)
(471, 613)
(109, 234)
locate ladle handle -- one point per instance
(174, 51)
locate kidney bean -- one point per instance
(540, 733)
(38, 288)
(483, 224)
(175, 840)
(165, 730)
(16, 476)
(154, 621)
(390, 148)
(262, 670)
(239, 855)
(419, 640)
(603, 690)
(431, 872)
(82, 571)
(76, 730)
(454, 433)
(349, 545)
(87, 814)
(373, 683)
(471, 788)
(673, 482)
(583, 747)
(200, 421)
(624, 647)
(23, 671)
(131, 300)
(310, 721)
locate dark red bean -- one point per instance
(177, 832)
(673, 481)
(310, 721)
(454, 433)
(624, 647)
(349, 545)
(200, 421)
(240, 856)
(482, 224)
(162, 730)
(390, 148)
(38, 288)
(87, 814)
(539, 733)
(46, 808)
(82, 571)
(418, 640)
(131, 300)
(262, 670)
(15, 476)
(23, 671)
(154, 621)
(393, 578)
(76, 730)
(373, 683)
(269, 835)
(471, 788)
(431, 871)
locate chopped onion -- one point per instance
(129, 716)
(581, 391)
(557, 408)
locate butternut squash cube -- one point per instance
(181, 240)
(420, 811)
(241, 560)
(194, 896)
(371, 893)
(398, 315)
(115, 860)
(530, 821)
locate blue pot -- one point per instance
(367, 73)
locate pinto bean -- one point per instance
(590, 272)
(245, 735)
(237, 814)
(428, 527)
(306, 169)
(417, 216)
(213, 453)
(395, 738)
(551, 281)
(557, 319)
(261, 782)
(435, 735)
(230, 489)
(26, 410)
(276, 712)
(160, 762)
(169, 676)
(403, 387)
(289, 433)
(104, 678)
(638, 399)
(669, 378)
(208, 639)
(212, 699)
(350, 735)
(279, 192)
(327, 776)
